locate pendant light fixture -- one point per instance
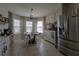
(31, 15)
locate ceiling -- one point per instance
(40, 9)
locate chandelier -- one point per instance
(31, 15)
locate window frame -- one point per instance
(41, 26)
(29, 26)
(15, 26)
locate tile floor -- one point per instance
(41, 48)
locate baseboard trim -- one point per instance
(63, 53)
(49, 42)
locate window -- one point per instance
(40, 26)
(29, 26)
(16, 25)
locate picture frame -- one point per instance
(50, 26)
(0, 17)
(5, 20)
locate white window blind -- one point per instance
(29, 26)
(16, 25)
(40, 26)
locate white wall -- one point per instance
(3, 11)
(51, 18)
(14, 8)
